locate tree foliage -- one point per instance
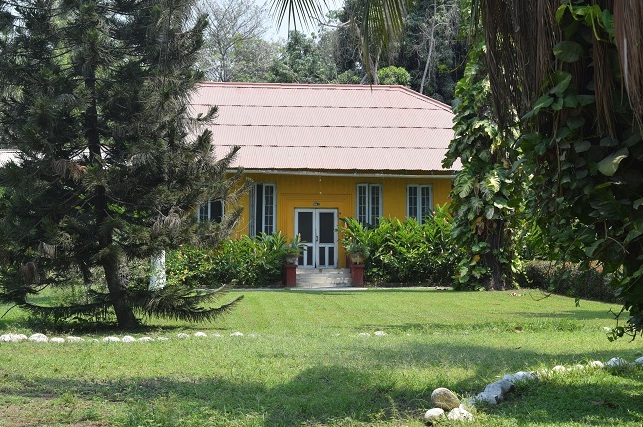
(393, 75)
(433, 47)
(568, 72)
(302, 60)
(111, 166)
(234, 49)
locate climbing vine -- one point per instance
(485, 190)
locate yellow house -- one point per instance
(317, 153)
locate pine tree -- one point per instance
(113, 162)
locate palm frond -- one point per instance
(305, 11)
(97, 308)
(380, 24)
(181, 303)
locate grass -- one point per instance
(303, 362)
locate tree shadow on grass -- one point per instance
(582, 401)
(323, 394)
(317, 395)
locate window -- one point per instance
(369, 203)
(419, 202)
(262, 209)
(211, 211)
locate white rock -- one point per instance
(217, 335)
(128, 338)
(13, 337)
(519, 376)
(505, 386)
(111, 339)
(460, 414)
(364, 334)
(596, 364)
(559, 369)
(94, 340)
(57, 340)
(444, 398)
(616, 362)
(639, 361)
(379, 333)
(524, 376)
(486, 397)
(236, 334)
(182, 335)
(38, 338)
(162, 339)
(578, 367)
(146, 339)
(74, 339)
(433, 414)
(495, 390)
(200, 335)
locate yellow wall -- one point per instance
(336, 192)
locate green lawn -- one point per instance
(304, 361)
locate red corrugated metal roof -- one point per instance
(328, 127)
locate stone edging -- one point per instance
(446, 403)
(42, 338)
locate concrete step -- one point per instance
(323, 277)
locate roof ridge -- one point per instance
(334, 86)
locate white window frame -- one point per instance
(420, 205)
(268, 212)
(367, 210)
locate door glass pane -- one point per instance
(305, 226)
(326, 227)
(309, 257)
(322, 257)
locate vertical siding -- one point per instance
(336, 192)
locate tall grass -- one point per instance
(305, 359)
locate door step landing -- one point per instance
(327, 278)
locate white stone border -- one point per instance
(42, 338)
(495, 392)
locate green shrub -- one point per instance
(245, 262)
(567, 279)
(407, 252)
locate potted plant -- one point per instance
(294, 250)
(357, 251)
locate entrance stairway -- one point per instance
(326, 278)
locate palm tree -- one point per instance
(377, 23)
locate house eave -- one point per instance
(361, 174)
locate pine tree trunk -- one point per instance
(117, 285)
(116, 282)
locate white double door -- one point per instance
(318, 230)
